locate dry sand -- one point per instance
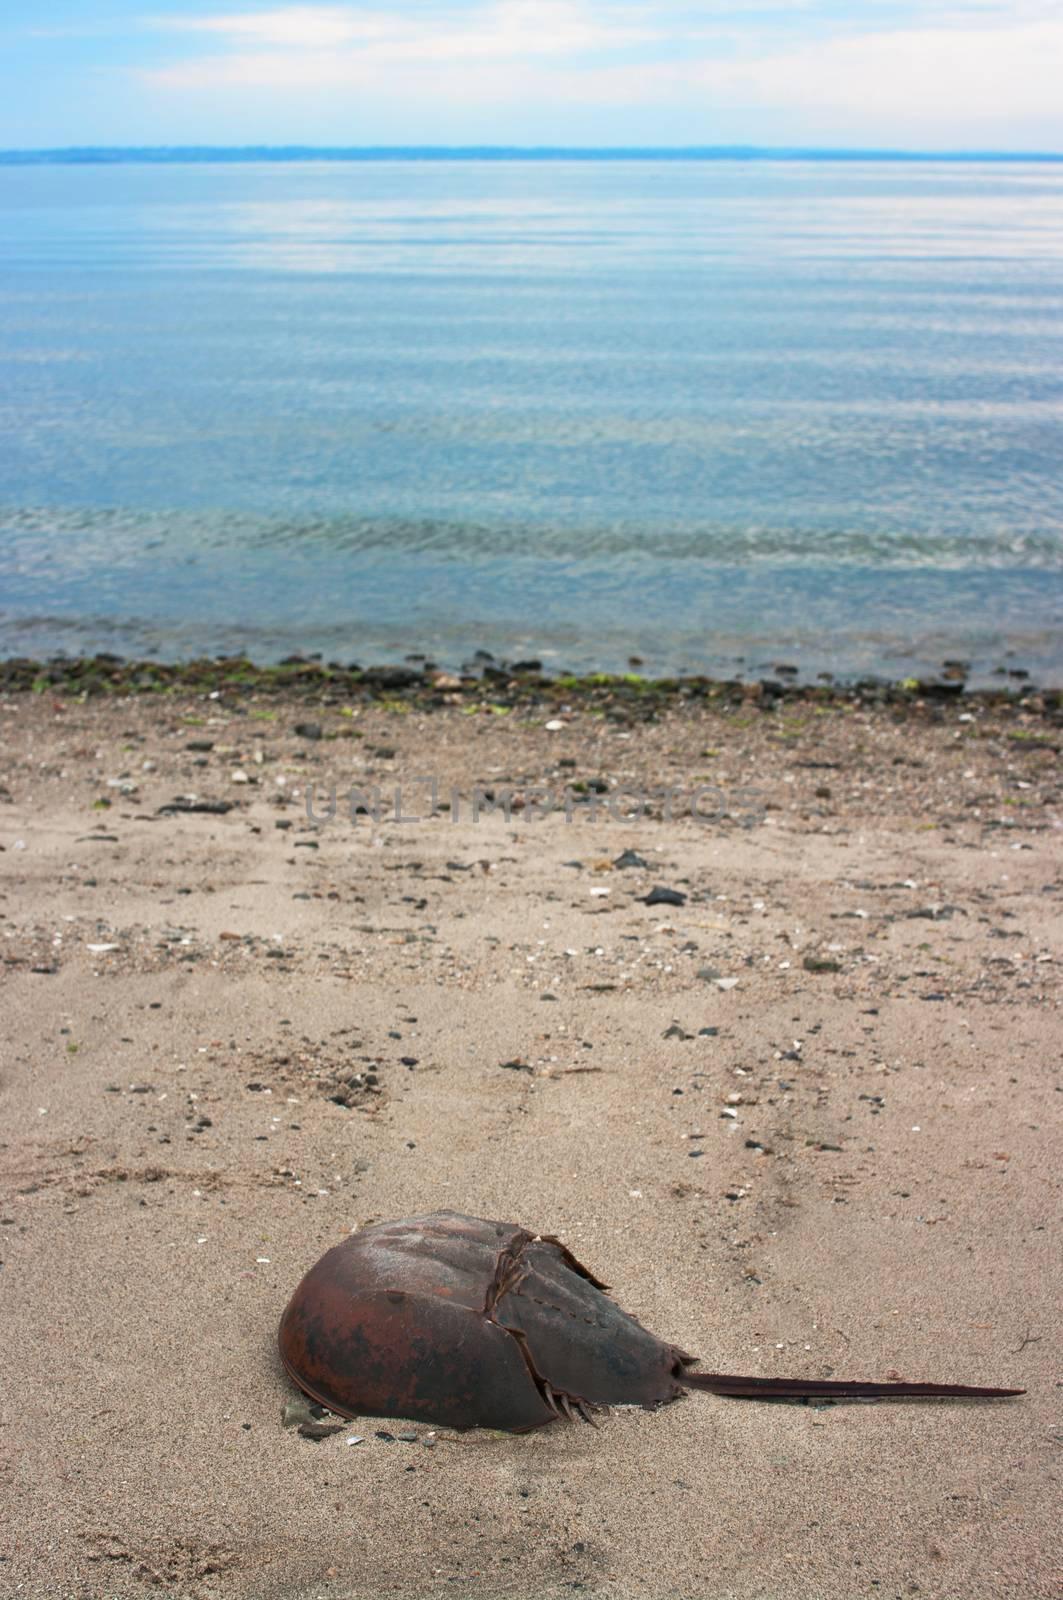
(185, 995)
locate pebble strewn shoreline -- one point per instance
(511, 685)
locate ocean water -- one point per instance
(717, 415)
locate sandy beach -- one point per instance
(801, 1122)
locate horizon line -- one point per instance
(100, 155)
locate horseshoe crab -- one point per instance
(452, 1320)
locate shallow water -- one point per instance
(719, 415)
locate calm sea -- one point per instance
(718, 415)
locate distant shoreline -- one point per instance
(161, 155)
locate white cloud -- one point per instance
(504, 29)
(305, 27)
(926, 76)
(967, 70)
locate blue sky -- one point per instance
(942, 74)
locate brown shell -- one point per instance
(465, 1323)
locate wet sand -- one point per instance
(801, 1122)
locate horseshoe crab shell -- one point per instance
(457, 1321)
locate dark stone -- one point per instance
(210, 808)
(391, 677)
(664, 897)
(937, 690)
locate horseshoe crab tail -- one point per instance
(828, 1389)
